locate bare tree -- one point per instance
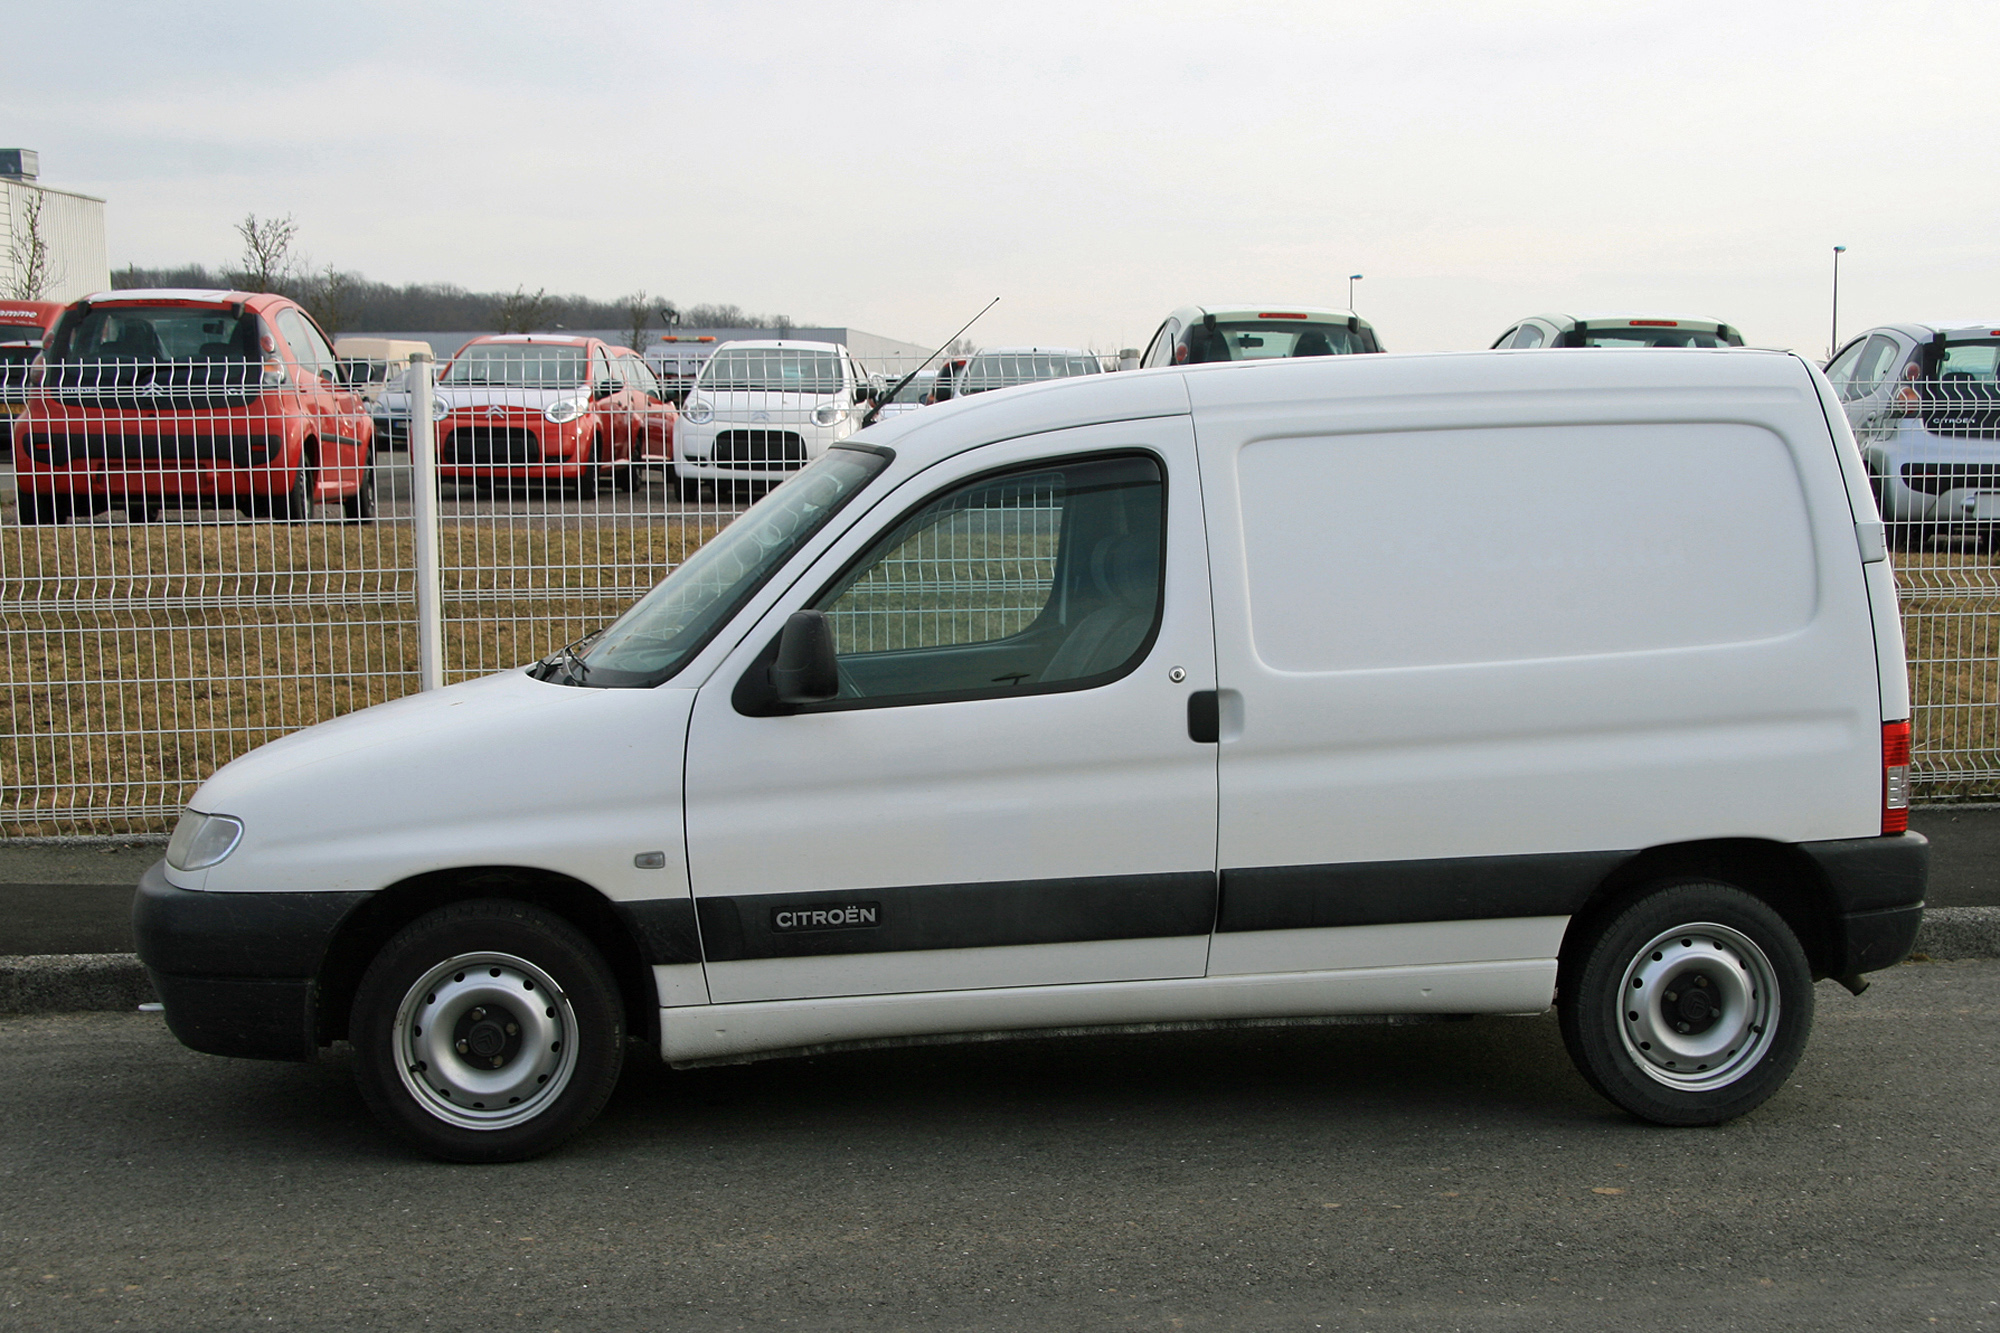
(638, 313)
(268, 262)
(521, 313)
(331, 297)
(30, 255)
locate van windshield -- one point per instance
(519, 367)
(771, 370)
(669, 625)
(20, 333)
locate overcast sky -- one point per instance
(892, 166)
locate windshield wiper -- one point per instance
(567, 660)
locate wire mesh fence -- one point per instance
(210, 536)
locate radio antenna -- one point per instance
(902, 383)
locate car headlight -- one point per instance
(201, 841)
(566, 409)
(698, 412)
(440, 409)
(828, 413)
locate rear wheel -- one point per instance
(142, 512)
(33, 508)
(360, 506)
(1691, 1006)
(487, 1031)
(591, 474)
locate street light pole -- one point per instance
(1352, 278)
(1834, 344)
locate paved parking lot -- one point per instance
(1438, 1176)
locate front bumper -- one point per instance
(238, 973)
(1877, 886)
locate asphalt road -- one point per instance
(1437, 1176)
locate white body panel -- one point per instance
(1472, 606)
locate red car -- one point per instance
(196, 398)
(541, 408)
(661, 418)
(23, 324)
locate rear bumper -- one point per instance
(237, 972)
(1877, 886)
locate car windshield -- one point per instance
(771, 370)
(913, 392)
(667, 626)
(1626, 335)
(998, 370)
(161, 333)
(1269, 339)
(1970, 363)
(1964, 399)
(20, 333)
(518, 366)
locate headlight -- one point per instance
(200, 840)
(566, 409)
(828, 413)
(698, 412)
(440, 409)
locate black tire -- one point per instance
(140, 512)
(689, 488)
(360, 506)
(1690, 1006)
(590, 476)
(33, 508)
(519, 986)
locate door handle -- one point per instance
(1204, 717)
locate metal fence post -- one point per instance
(424, 509)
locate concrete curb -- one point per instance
(49, 983)
(68, 982)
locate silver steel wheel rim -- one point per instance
(1698, 1007)
(456, 1054)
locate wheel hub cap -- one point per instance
(485, 1040)
(1699, 1006)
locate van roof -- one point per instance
(1370, 390)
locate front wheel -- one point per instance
(360, 507)
(591, 474)
(487, 1031)
(1689, 1007)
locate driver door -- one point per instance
(1006, 792)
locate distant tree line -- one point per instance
(345, 302)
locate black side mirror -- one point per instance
(807, 670)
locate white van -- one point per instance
(760, 411)
(1445, 684)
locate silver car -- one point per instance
(1619, 330)
(1924, 401)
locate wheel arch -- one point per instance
(370, 926)
(1779, 874)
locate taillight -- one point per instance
(1654, 323)
(1895, 777)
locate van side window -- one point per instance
(1048, 578)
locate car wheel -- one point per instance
(487, 1031)
(33, 508)
(360, 506)
(1691, 1006)
(591, 474)
(689, 488)
(142, 513)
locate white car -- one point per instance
(1004, 367)
(760, 411)
(1924, 401)
(1196, 334)
(1119, 702)
(913, 395)
(1619, 330)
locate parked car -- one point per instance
(539, 408)
(947, 371)
(653, 445)
(23, 325)
(1196, 334)
(1004, 367)
(1924, 402)
(1619, 331)
(370, 365)
(760, 411)
(193, 398)
(912, 396)
(676, 362)
(1121, 701)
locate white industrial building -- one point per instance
(66, 228)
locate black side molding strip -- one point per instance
(1372, 893)
(957, 916)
